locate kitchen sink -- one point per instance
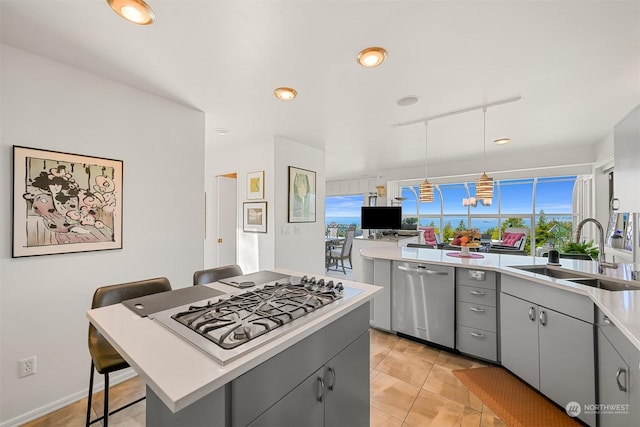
(549, 272)
(576, 277)
(606, 284)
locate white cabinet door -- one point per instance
(626, 148)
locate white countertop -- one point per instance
(178, 372)
(622, 307)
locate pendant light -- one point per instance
(484, 184)
(426, 188)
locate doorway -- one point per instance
(226, 220)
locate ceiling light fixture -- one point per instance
(502, 141)
(426, 188)
(484, 184)
(408, 101)
(136, 11)
(285, 93)
(372, 57)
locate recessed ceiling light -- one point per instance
(285, 93)
(221, 131)
(502, 141)
(136, 11)
(408, 101)
(372, 57)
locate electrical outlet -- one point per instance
(26, 366)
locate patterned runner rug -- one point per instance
(511, 399)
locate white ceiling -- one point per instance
(576, 65)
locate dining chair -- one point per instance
(211, 275)
(332, 230)
(104, 358)
(342, 252)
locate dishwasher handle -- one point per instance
(422, 270)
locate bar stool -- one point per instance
(211, 275)
(104, 358)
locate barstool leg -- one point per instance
(106, 399)
(90, 394)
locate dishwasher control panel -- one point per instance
(476, 275)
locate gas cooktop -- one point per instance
(238, 323)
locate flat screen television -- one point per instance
(381, 217)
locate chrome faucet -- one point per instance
(602, 261)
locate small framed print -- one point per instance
(255, 185)
(255, 217)
(302, 195)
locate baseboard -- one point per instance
(68, 400)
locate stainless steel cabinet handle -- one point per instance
(422, 270)
(320, 389)
(477, 335)
(543, 318)
(532, 314)
(476, 292)
(621, 387)
(476, 309)
(332, 372)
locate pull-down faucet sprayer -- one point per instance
(602, 263)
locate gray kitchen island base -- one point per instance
(315, 382)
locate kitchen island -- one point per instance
(186, 386)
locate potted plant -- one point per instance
(581, 248)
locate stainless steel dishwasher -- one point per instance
(423, 302)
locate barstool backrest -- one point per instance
(211, 275)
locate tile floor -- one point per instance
(411, 386)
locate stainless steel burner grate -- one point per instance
(232, 322)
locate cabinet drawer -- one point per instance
(476, 278)
(621, 343)
(477, 295)
(477, 316)
(478, 343)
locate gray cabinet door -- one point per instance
(381, 307)
(613, 376)
(346, 379)
(519, 338)
(567, 360)
(303, 406)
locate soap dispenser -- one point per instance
(554, 256)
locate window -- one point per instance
(344, 211)
(544, 202)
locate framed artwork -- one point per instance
(65, 203)
(255, 217)
(302, 195)
(255, 185)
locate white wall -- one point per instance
(299, 246)
(255, 250)
(43, 299)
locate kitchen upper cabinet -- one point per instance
(626, 149)
(549, 348)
